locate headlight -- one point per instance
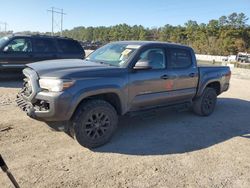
(55, 84)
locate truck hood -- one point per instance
(67, 68)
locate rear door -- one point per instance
(70, 49)
(182, 74)
(16, 53)
(44, 49)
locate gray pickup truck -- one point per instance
(116, 79)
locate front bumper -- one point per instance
(25, 105)
(49, 106)
(43, 105)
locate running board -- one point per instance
(177, 107)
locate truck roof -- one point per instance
(143, 43)
(36, 36)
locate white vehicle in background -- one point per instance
(243, 57)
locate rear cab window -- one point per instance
(179, 58)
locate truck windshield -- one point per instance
(3, 40)
(113, 54)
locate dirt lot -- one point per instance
(168, 149)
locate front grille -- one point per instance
(30, 86)
(27, 88)
(26, 97)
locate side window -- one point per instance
(44, 46)
(69, 46)
(155, 57)
(19, 45)
(180, 58)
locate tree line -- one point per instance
(224, 36)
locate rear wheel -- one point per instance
(94, 123)
(205, 104)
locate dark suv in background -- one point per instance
(18, 50)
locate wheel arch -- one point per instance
(214, 83)
(111, 96)
(216, 86)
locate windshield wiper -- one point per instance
(105, 63)
(101, 62)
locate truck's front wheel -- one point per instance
(205, 104)
(94, 123)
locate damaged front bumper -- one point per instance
(25, 105)
(48, 106)
(42, 105)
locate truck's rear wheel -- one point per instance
(205, 104)
(94, 123)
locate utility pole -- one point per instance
(52, 12)
(5, 26)
(56, 10)
(62, 22)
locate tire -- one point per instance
(205, 104)
(94, 123)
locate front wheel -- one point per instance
(94, 123)
(205, 104)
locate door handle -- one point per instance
(192, 75)
(164, 77)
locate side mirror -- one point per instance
(142, 65)
(6, 49)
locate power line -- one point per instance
(57, 11)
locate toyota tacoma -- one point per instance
(117, 79)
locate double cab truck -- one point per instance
(117, 79)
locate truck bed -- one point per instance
(211, 74)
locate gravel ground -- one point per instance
(167, 149)
(241, 73)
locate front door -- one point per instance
(147, 87)
(16, 53)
